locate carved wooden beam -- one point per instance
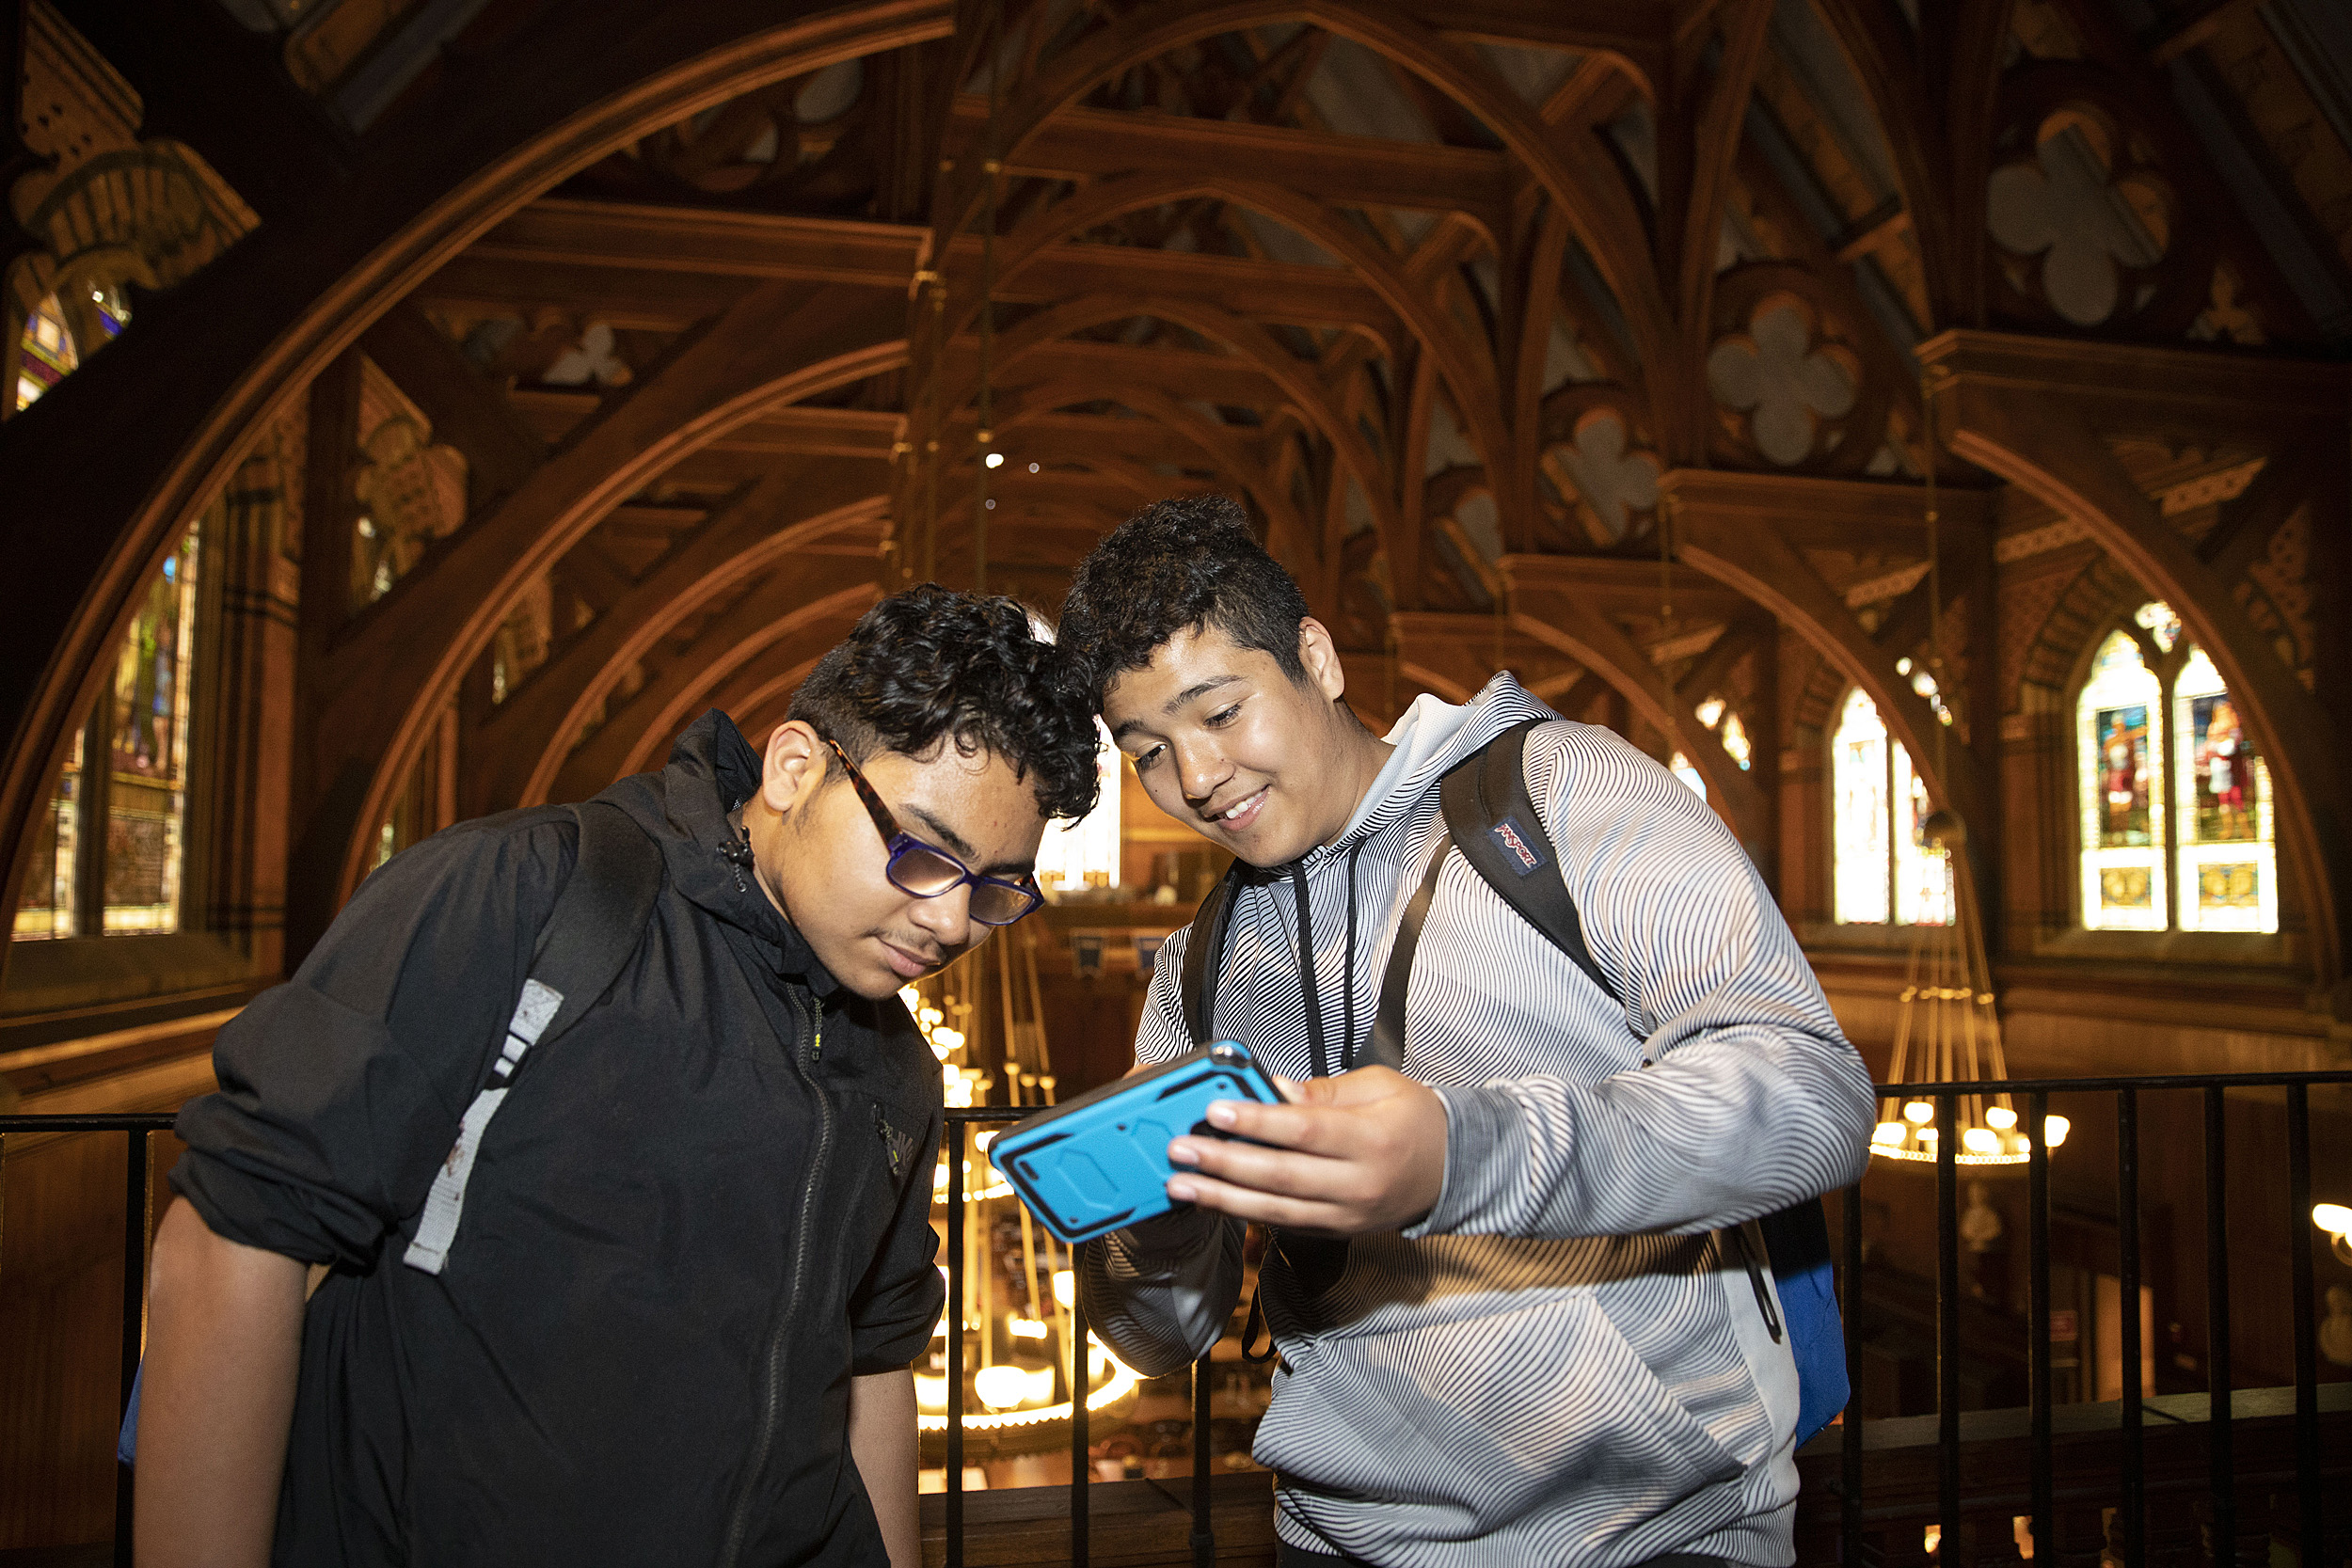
(1725, 525)
(524, 739)
(1089, 144)
(820, 599)
(465, 409)
(1547, 604)
(405, 656)
(234, 346)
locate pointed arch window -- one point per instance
(2178, 827)
(1885, 873)
(112, 846)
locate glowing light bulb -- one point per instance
(2000, 1117)
(1979, 1140)
(931, 1393)
(982, 1140)
(948, 1039)
(1032, 467)
(1888, 1134)
(1026, 1328)
(1065, 1287)
(912, 998)
(1918, 1113)
(1000, 1387)
(2334, 1218)
(995, 459)
(2054, 1131)
(930, 1017)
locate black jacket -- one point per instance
(699, 1212)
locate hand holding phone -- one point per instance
(1100, 1161)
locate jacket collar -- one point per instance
(712, 770)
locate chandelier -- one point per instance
(1022, 1379)
(1947, 1031)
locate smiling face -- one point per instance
(820, 858)
(1227, 744)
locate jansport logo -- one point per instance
(1513, 838)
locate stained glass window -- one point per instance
(2120, 738)
(48, 351)
(2177, 816)
(46, 908)
(1680, 766)
(1884, 871)
(147, 753)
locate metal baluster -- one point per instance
(1081, 1466)
(1203, 1526)
(1947, 1317)
(2038, 1313)
(134, 1200)
(2311, 1520)
(956, 1262)
(1850, 1435)
(2133, 1512)
(2218, 1435)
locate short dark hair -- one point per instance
(931, 662)
(1185, 563)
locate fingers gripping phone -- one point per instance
(1100, 1161)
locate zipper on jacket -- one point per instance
(772, 1391)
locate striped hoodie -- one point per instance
(1566, 1362)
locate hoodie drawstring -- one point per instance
(1326, 1066)
(1306, 972)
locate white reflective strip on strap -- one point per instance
(447, 1202)
(537, 1004)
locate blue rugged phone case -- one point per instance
(1100, 1161)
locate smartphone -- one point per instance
(1100, 1161)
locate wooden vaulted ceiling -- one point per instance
(1462, 299)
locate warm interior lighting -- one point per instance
(1980, 1140)
(1918, 1113)
(995, 459)
(1000, 1387)
(2054, 1131)
(1026, 1328)
(1065, 1287)
(2000, 1117)
(1888, 1133)
(931, 1393)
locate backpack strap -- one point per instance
(1204, 956)
(1496, 826)
(596, 926)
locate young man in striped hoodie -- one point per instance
(1539, 1344)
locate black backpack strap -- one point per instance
(1204, 957)
(1496, 826)
(600, 916)
(1387, 1047)
(597, 925)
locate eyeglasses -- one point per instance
(928, 871)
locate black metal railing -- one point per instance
(2130, 1509)
(2131, 1542)
(137, 1178)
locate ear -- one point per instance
(1321, 655)
(794, 767)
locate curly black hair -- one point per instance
(1180, 565)
(928, 662)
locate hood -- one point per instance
(685, 807)
(1430, 739)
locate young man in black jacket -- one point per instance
(673, 1321)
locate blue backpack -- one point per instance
(1493, 821)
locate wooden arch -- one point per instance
(216, 360)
